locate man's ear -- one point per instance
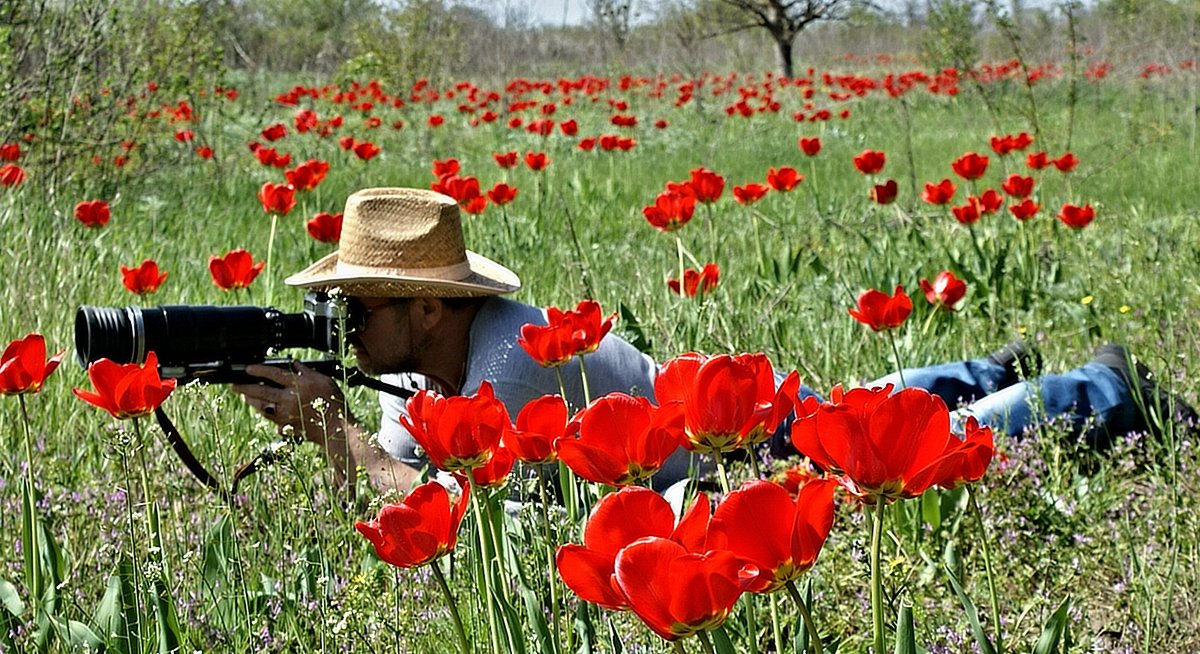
(427, 312)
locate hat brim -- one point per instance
(486, 278)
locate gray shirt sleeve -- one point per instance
(393, 437)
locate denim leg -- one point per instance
(956, 383)
(1091, 396)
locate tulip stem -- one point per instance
(712, 235)
(722, 475)
(896, 354)
(776, 629)
(987, 569)
(682, 269)
(587, 395)
(267, 268)
(877, 576)
(677, 645)
(814, 640)
(463, 644)
(704, 640)
(485, 558)
(30, 506)
(141, 448)
(547, 536)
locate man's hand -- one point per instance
(309, 403)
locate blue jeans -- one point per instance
(1092, 399)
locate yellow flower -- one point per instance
(1124, 308)
(1086, 300)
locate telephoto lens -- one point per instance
(200, 341)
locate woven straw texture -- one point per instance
(400, 242)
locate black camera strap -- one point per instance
(353, 377)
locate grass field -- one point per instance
(1114, 535)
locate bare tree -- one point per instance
(784, 19)
(614, 17)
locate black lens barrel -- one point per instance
(186, 334)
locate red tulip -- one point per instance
(185, 136)
(444, 168)
(346, 143)
(1037, 160)
(366, 150)
(536, 160)
(679, 593)
(235, 270)
(971, 165)
(620, 440)
(569, 127)
(881, 311)
(940, 193)
(10, 152)
(670, 211)
(457, 433)
(462, 189)
(1025, 209)
(967, 459)
(885, 193)
(967, 214)
(696, 282)
(506, 160)
(540, 126)
(618, 520)
(728, 401)
(325, 227)
(501, 194)
(1017, 186)
(126, 390)
(274, 132)
(269, 157)
(435, 120)
(587, 144)
(810, 145)
(277, 199)
(780, 533)
(886, 446)
(419, 529)
(93, 213)
(475, 205)
(1077, 217)
(24, 367)
(494, 472)
(870, 162)
(144, 279)
(946, 291)
(784, 179)
(566, 333)
(307, 175)
(204, 152)
(539, 424)
(706, 185)
(304, 120)
(750, 193)
(1066, 163)
(989, 201)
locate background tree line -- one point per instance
(62, 64)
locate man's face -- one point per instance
(383, 341)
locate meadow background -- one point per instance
(96, 116)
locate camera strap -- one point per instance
(353, 377)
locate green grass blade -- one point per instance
(985, 645)
(906, 642)
(1053, 630)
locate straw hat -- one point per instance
(405, 242)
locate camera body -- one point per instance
(210, 343)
